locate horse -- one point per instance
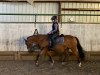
(70, 42)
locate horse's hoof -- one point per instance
(80, 64)
(63, 63)
(37, 64)
(52, 63)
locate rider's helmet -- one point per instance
(54, 18)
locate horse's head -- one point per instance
(31, 44)
(36, 41)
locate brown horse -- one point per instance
(70, 42)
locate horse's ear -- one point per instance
(25, 40)
(35, 32)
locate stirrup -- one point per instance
(51, 48)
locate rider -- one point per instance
(54, 32)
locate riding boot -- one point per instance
(52, 45)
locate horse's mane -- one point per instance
(37, 35)
(41, 34)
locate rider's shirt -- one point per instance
(55, 28)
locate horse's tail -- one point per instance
(80, 49)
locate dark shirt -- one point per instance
(55, 28)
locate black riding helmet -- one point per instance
(54, 17)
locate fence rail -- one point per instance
(34, 17)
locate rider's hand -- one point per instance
(49, 33)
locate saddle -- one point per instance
(58, 40)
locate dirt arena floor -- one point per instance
(29, 68)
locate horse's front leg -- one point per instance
(42, 52)
(51, 54)
(37, 60)
(46, 52)
(51, 60)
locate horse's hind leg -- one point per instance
(78, 57)
(65, 55)
(75, 53)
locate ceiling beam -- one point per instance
(55, 0)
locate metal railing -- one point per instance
(36, 15)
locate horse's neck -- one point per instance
(43, 40)
(40, 38)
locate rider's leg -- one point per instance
(50, 40)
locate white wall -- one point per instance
(26, 8)
(88, 34)
(12, 35)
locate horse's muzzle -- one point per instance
(33, 48)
